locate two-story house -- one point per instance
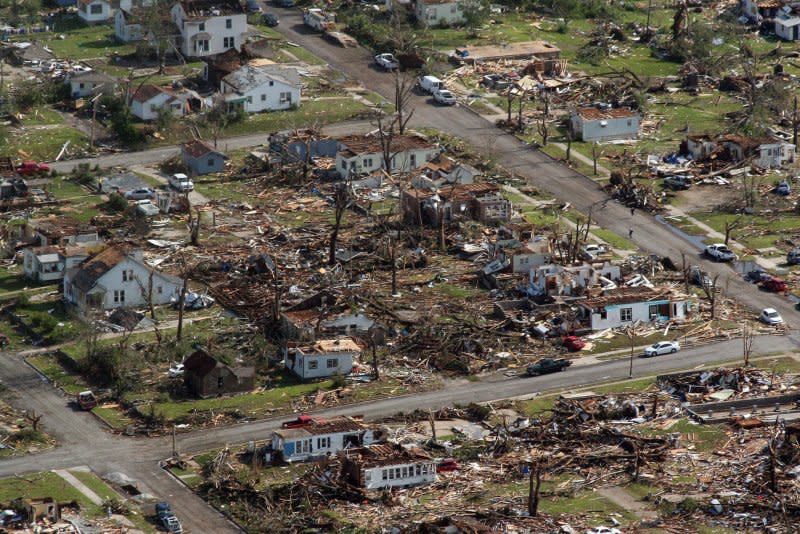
(118, 279)
(94, 11)
(323, 358)
(320, 439)
(209, 27)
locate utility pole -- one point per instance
(95, 103)
(649, 8)
(795, 119)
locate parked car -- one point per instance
(548, 365)
(573, 343)
(387, 61)
(591, 251)
(140, 194)
(176, 370)
(253, 6)
(86, 400)
(770, 316)
(30, 167)
(793, 257)
(283, 3)
(181, 182)
(302, 421)
(662, 347)
(444, 97)
(603, 530)
(775, 285)
(447, 465)
(430, 84)
(699, 278)
(783, 188)
(756, 276)
(677, 183)
(167, 518)
(270, 19)
(720, 252)
(147, 208)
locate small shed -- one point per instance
(206, 377)
(37, 509)
(201, 158)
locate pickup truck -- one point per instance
(548, 365)
(302, 421)
(387, 61)
(29, 168)
(181, 183)
(677, 183)
(167, 518)
(775, 285)
(86, 400)
(720, 252)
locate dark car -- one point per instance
(270, 19)
(302, 421)
(548, 365)
(677, 183)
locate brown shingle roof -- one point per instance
(333, 426)
(382, 454)
(199, 149)
(371, 144)
(596, 114)
(200, 363)
(94, 268)
(148, 91)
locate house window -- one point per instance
(324, 443)
(413, 159)
(312, 364)
(626, 314)
(263, 98)
(405, 472)
(332, 363)
(418, 469)
(286, 98)
(229, 24)
(391, 474)
(96, 9)
(202, 27)
(367, 162)
(119, 296)
(81, 86)
(210, 162)
(249, 99)
(201, 46)
(159, 290)
(127, 275)
(384, 474)
(452, 9)
(396, 472)
(220, 381)
(271, 83)
(228, 42)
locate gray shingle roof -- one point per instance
(247, 77)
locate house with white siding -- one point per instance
(323, 358)
(363, 154)
(604, 123)
(118, 279)
(94, 11)
(149, 99)
(127, 25)
(48, 264)
(387, 465)
(319, 440)
(625, 306)
(209, 27)
(436, 12)
(265, 88)
(90, 83)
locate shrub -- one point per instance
(116, 203)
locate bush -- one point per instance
(23, 300)
(116, 203)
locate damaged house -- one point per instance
(209, 27)
(320, 439)
(480, 202)
(205, 376)
(762, 152)
(604, 123)
(554, 279)
(442, 171)
(363, 154)
(323, 358)
(523, 256)
(387, 465)
(255, 89)
(48, 264)
(625, 306)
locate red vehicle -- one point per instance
(302, 421)
(774, 284)
(28, 168)
(573, 343)
(86, 400)
(447, 465)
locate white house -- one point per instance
(787, 26)
(115, 279)
(266, 88)
(626, 306)
(209, 27)
(363, 154)
(385, 465)
(94, 11)
(48, 264)
(602, 123)
(324, 358)
(434, 12)
(700, 146)
(149, 98)
(553, 279)
(758, 10)
(87, 84)
(319, 440)
(767, 152)
(127, 26)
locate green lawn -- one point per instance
(42, 115)
(756, 231)
(40, 143)
(86, 43)
(11, 279)
(616, 241)
(48, 365)
(95, 484)
(41, 485)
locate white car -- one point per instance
(445, 97)
(770, 316)
(662, 347)
(592, 251)
(387, 61)
(720, 252)
(176, 370)
(603, 530)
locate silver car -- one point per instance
(662, 347)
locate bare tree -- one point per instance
(403, 93)
(730, 226)
(534, 487)
(544, 129)
(710, 289)
(182, 296)
(342, 200)
(748, 337)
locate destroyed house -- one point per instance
(765, 152)
(363, 154)
(441, 171)
(553, 279)
(307, 324)
(323, 358)
(303, 146)
(38, 509)
(479, 202)
(48, 264)
(625, 306)
(757, 10)
(118, 279)
(205, 376)
(604, 123)
(522, 256)
(386, 465)
(320, 439)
